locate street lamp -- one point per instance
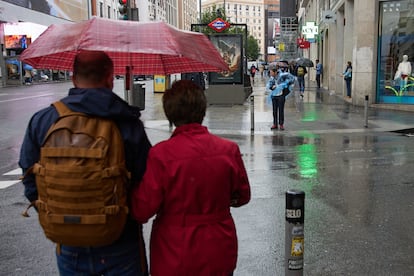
(199, 3)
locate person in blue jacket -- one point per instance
(348, 78)
(92, 94)
(319, 72)
(279, 85)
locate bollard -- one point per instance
(251, 112)
(366, 111)
(128, 83)
(294, 232)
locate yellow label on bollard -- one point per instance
(297, 246)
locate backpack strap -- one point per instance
(61, 108)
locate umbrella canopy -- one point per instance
(304, 62)
(146, 47)
(280, 63)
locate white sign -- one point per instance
(310, 30)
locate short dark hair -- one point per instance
(184, 103)
(92, 66)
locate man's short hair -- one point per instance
(92, 66)
(184, 103)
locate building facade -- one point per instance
(374, 36)
(249, 12)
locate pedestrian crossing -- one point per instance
(11, 174)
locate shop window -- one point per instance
(395, 80)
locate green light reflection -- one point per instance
(307, 158)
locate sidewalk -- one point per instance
(318, 112)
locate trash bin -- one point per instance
(136, 96)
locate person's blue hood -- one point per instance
(100, 102)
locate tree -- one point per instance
(252, 48)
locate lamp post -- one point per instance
(199, 3)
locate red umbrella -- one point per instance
(145, 47)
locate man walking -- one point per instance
(300, 73)
(92, 94)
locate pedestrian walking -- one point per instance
(300, 73)
(92, 95)
(191, 181)
(319, 72)
(28, 77)
(279, 86)
(196, 77)
(348, 78)
(253, 72)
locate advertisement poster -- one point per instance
(230, 48)
(17, 41)
(276, 28)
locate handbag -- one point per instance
(285, 91)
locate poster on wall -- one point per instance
(230, 48)
(73, 10)
(17, 41)
(276, 28)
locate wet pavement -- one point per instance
(355, 170)
(358, 181)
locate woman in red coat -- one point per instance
(191, 181)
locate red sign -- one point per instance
(303, 43)
(219, 25)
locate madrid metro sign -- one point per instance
(219, 24)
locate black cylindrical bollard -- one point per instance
(251, 112)
(366, 110)
(294, 232)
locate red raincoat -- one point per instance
(191, 181)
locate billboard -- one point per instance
(73, 10)
(276, 28)
(17, 41)
(230, 48)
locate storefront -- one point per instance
(21, 22)
(395, 80)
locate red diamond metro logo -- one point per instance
(219, 25)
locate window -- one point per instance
(395, 39)
(101, 9)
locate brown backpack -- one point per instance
(81, 180)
